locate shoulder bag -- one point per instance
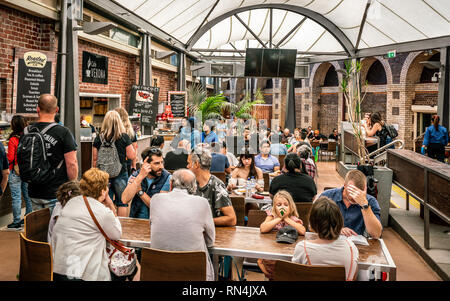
(122, 263)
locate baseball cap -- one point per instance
(287, 234)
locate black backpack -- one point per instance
(32, 158)
(390, 131)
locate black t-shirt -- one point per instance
(121, 145)
(301, 187)
(58, 141)
(176, 159)
(3, 163)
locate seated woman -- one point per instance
(299, 141)
(328, 248)
(300, 185)
(246, 169)
(265, 160)
(77, 243)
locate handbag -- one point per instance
(122, 260)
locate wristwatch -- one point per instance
(140, 193)
(364, 207)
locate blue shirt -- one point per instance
(219, 163)
(267, 165)
(433, 136)
(277, 149)
(166, 186)
(352, 215)
(210, 138)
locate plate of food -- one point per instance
(263, 193)
(275, 174)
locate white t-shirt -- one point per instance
(336, 253)
(79, 248)
(232, 159)
(55, 213)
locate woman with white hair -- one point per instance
(111, 149)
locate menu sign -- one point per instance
(144, 102)
(95, 68)
(33, 79)
(177, 101)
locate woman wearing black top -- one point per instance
(113, 131)
(300, 185)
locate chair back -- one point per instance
(36, 225)
(221, 175)
(303, 210)
(266, 181)
(256, 218)
(291, 271)
(332, 146)
(239, 208)
(281, 160)
(314, 144)
(159, 265)
(36, 263)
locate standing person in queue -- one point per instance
(111, 149)
(211, 188)
(131, 164)
(18, 187)
(436, 138)
(144, 183)
(61, 151)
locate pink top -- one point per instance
(283, 223)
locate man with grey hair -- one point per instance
(211, 187)
(181, 220)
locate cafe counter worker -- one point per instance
(435, 139)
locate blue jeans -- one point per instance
(117, 186)
(18, 188)
(39, 204)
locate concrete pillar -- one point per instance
(444, 88)
(181, 72)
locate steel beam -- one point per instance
(324, 22)
(290, 32)
(363, 21)
(204, 20)
(444, 88)
(251, 31)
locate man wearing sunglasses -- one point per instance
(149, 180)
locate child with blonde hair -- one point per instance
(284, 213)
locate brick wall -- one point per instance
(374, 102)
(18, 29)
(122, 69)
(328, 117)
(167, 82)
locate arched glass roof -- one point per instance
(306, 25)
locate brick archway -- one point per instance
(366, 63)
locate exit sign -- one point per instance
(391, 54)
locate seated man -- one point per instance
(219, 162)
(177, 158)
(211, 188)
(285, 136)
(182, 221)
(361, 211)
(318, 136)
(276, 148)
(232, 160)
(157, 142)
(334, 135)
(151, 179)
(264, 160)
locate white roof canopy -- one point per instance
(328, 26)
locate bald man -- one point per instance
(61, 149)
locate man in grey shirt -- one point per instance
(211, 187)
(182, 221)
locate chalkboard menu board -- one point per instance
(33, 79)
(144, 101)
(177, 101)
(94, 68)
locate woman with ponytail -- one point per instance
(299, 184)
(436, 138)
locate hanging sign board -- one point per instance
(144, 102)
(95, 68)
(178, 103)
(33, 78)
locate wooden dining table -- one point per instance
(248, 242)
